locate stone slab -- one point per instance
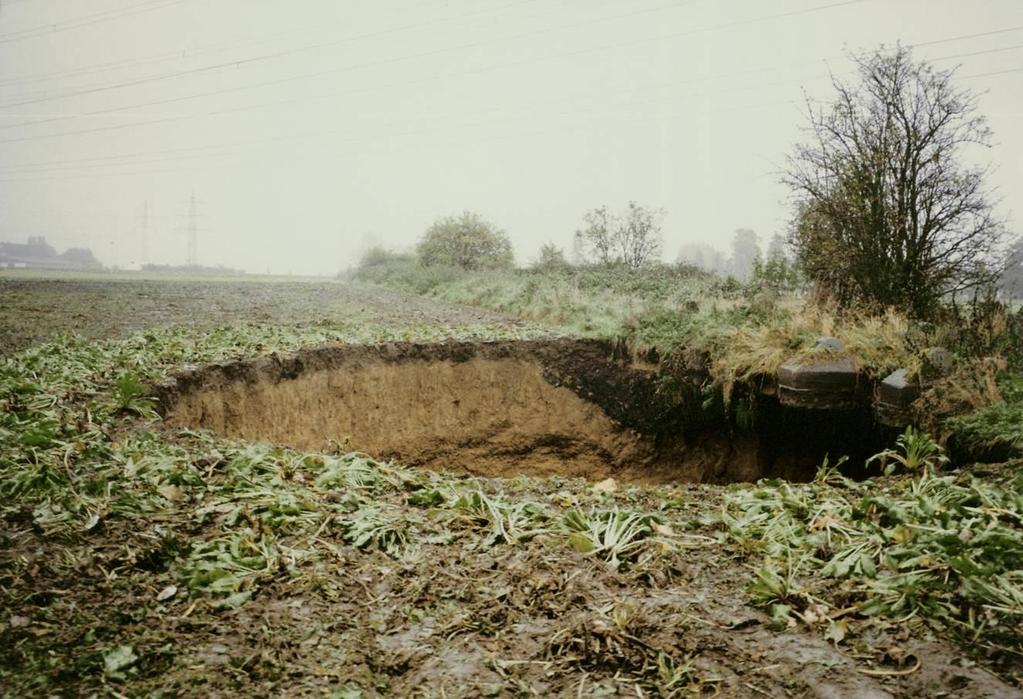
(830, 384)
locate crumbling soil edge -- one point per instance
(651, 423)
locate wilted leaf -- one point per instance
(236, 600)
(118, 659)
(170, 492)
(167, 592)
(662, 529)
(836, 630)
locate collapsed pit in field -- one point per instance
(565, 407)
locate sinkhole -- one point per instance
(566, 407)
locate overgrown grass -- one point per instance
(585, 301)
(746, 330)
(997, 428)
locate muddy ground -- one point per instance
(451, 621)
(452, 614)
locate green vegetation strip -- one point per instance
(945, 550)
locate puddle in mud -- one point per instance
(564, 407)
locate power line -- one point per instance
(629, 100)
(279, 54)
(460, 140)
(236, 63)
(406, 83)
(113, 110)
(993, 72)
(389, 147)
(969, 36)
(142, 60)
(446, 49)
(979, 53)
(221, 147)
(117, 13)
(213, 48)
(421, 55)
(378, 87)
(418, 132)
(217, 48)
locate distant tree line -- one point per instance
(630, 238)
(747, 260)
(468, 241)
(886, 213)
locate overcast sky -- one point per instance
(309, 129)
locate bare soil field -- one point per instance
(234, 525)
(35, 308)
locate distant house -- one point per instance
(37, 253)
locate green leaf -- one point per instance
(580, 542)
(426, 498)
(781, 616)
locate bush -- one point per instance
(405, 273)
(378, 256)
(550, 259)
(465, 242)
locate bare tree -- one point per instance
(885, 210)
(638, 235)
(633, 238)
(596, 240)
